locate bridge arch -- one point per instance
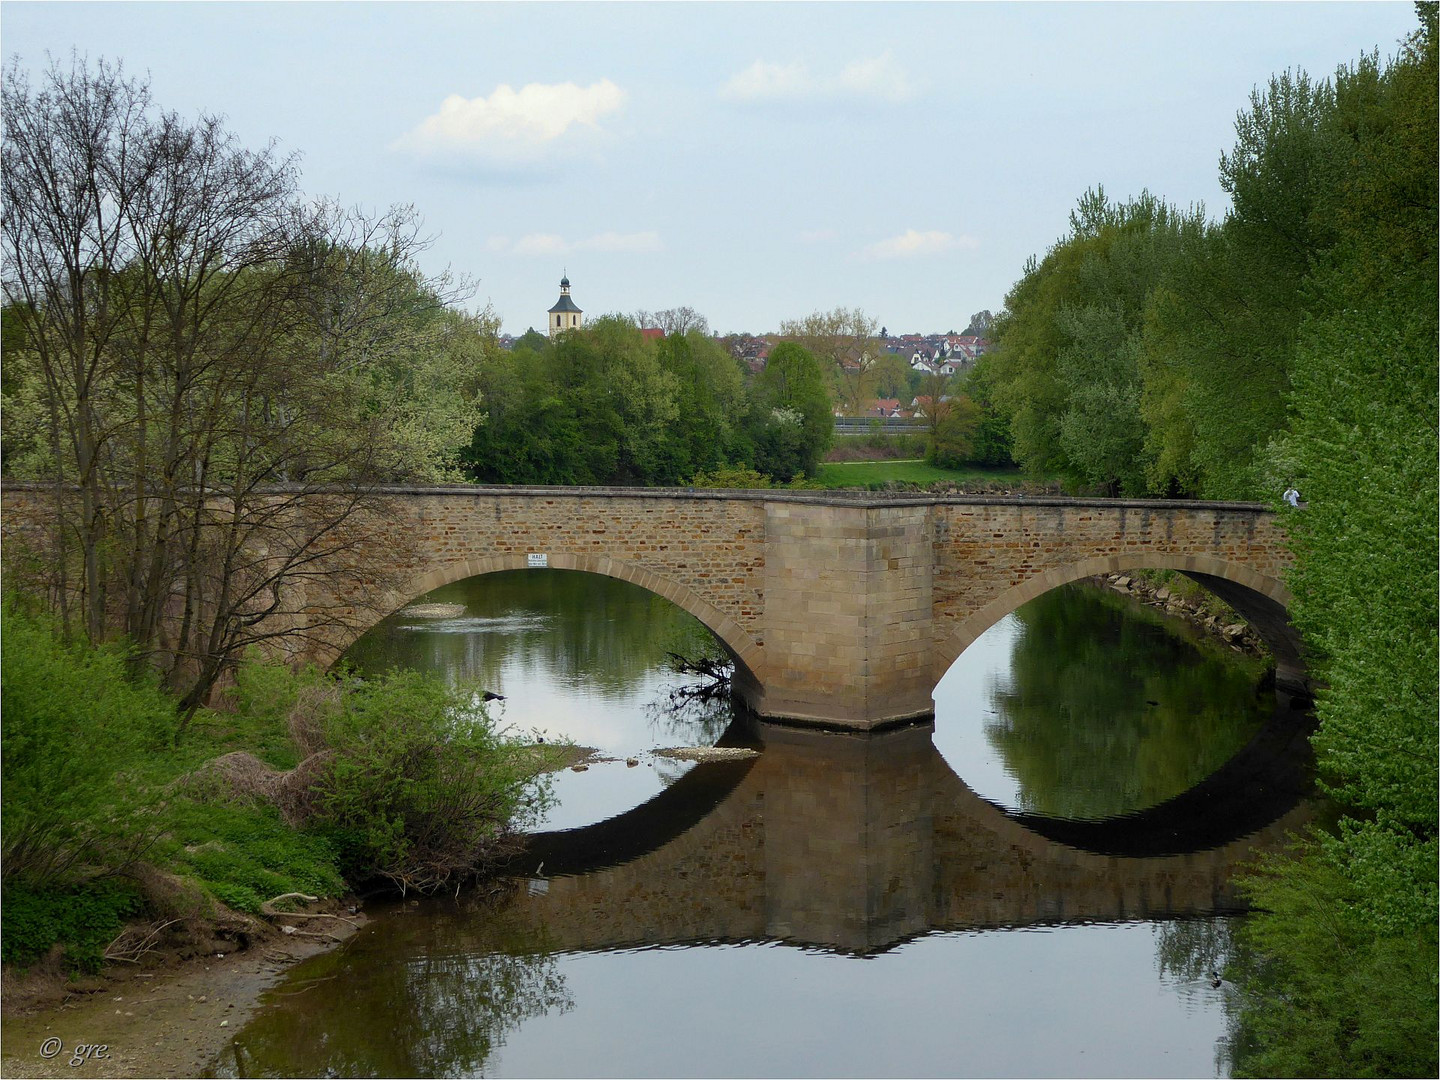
(1262, 600)
(740, 645)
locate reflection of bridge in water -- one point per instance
(860, 842)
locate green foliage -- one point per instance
(1066, 369)
(790, 422)
(1149, 737)
(605, 405)
(732, 476)
(84, 918)
(1346, 975)
(243, 855)
(1365, 414)
(991, 443)
(892, 377)
(416, 783)
(419, 788)
(952, 443)
(80, 728)
(711, 396)
(1322, 993)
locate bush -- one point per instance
(731, 476)
(79, 743)
(417, 787)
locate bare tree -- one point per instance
(845, 343)
(676, 320)
(198, 348)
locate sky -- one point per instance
(754, 161)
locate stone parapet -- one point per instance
(840, 608)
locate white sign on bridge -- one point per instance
(537, 560)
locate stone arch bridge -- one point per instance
(842, 609)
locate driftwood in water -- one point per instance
(716, 674)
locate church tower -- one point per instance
(565, 315)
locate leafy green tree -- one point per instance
(606, 405)
(1066, 369)
(892, 377)
(952, 442)
(1344, 973)
(790, 419)
(844, 344)
(710, 402)
(990, 444)
(1220, 334)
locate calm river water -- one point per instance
(1037, 883)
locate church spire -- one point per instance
(565, 315)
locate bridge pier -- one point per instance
(848, 615)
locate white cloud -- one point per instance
(613, 241)
(553, 244)
(540, 244)
(762, 80)
(878, 77)
(913, 243)
(874, 77)
(509, 120)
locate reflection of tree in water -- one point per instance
(694, 709)
(430, 1012)
(669, 770)
(1188, 952)
(1109, 710)
(563, 624)
(683, 720)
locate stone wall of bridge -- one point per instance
(706, 555)
(841, 609)
(993, 555)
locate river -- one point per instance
(1038, 882)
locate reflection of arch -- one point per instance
(1263, 601)
(857, 842)
(691, 799)
(1264, 781)
(739, 644)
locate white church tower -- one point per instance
(565, 315)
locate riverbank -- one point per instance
(173, 1019)
(1186, 600)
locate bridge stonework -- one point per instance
(840, 609)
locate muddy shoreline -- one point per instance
(172, 1021)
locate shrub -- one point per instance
(417, 787)
(731, 476)
(78, 749)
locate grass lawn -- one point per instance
(865, 473)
